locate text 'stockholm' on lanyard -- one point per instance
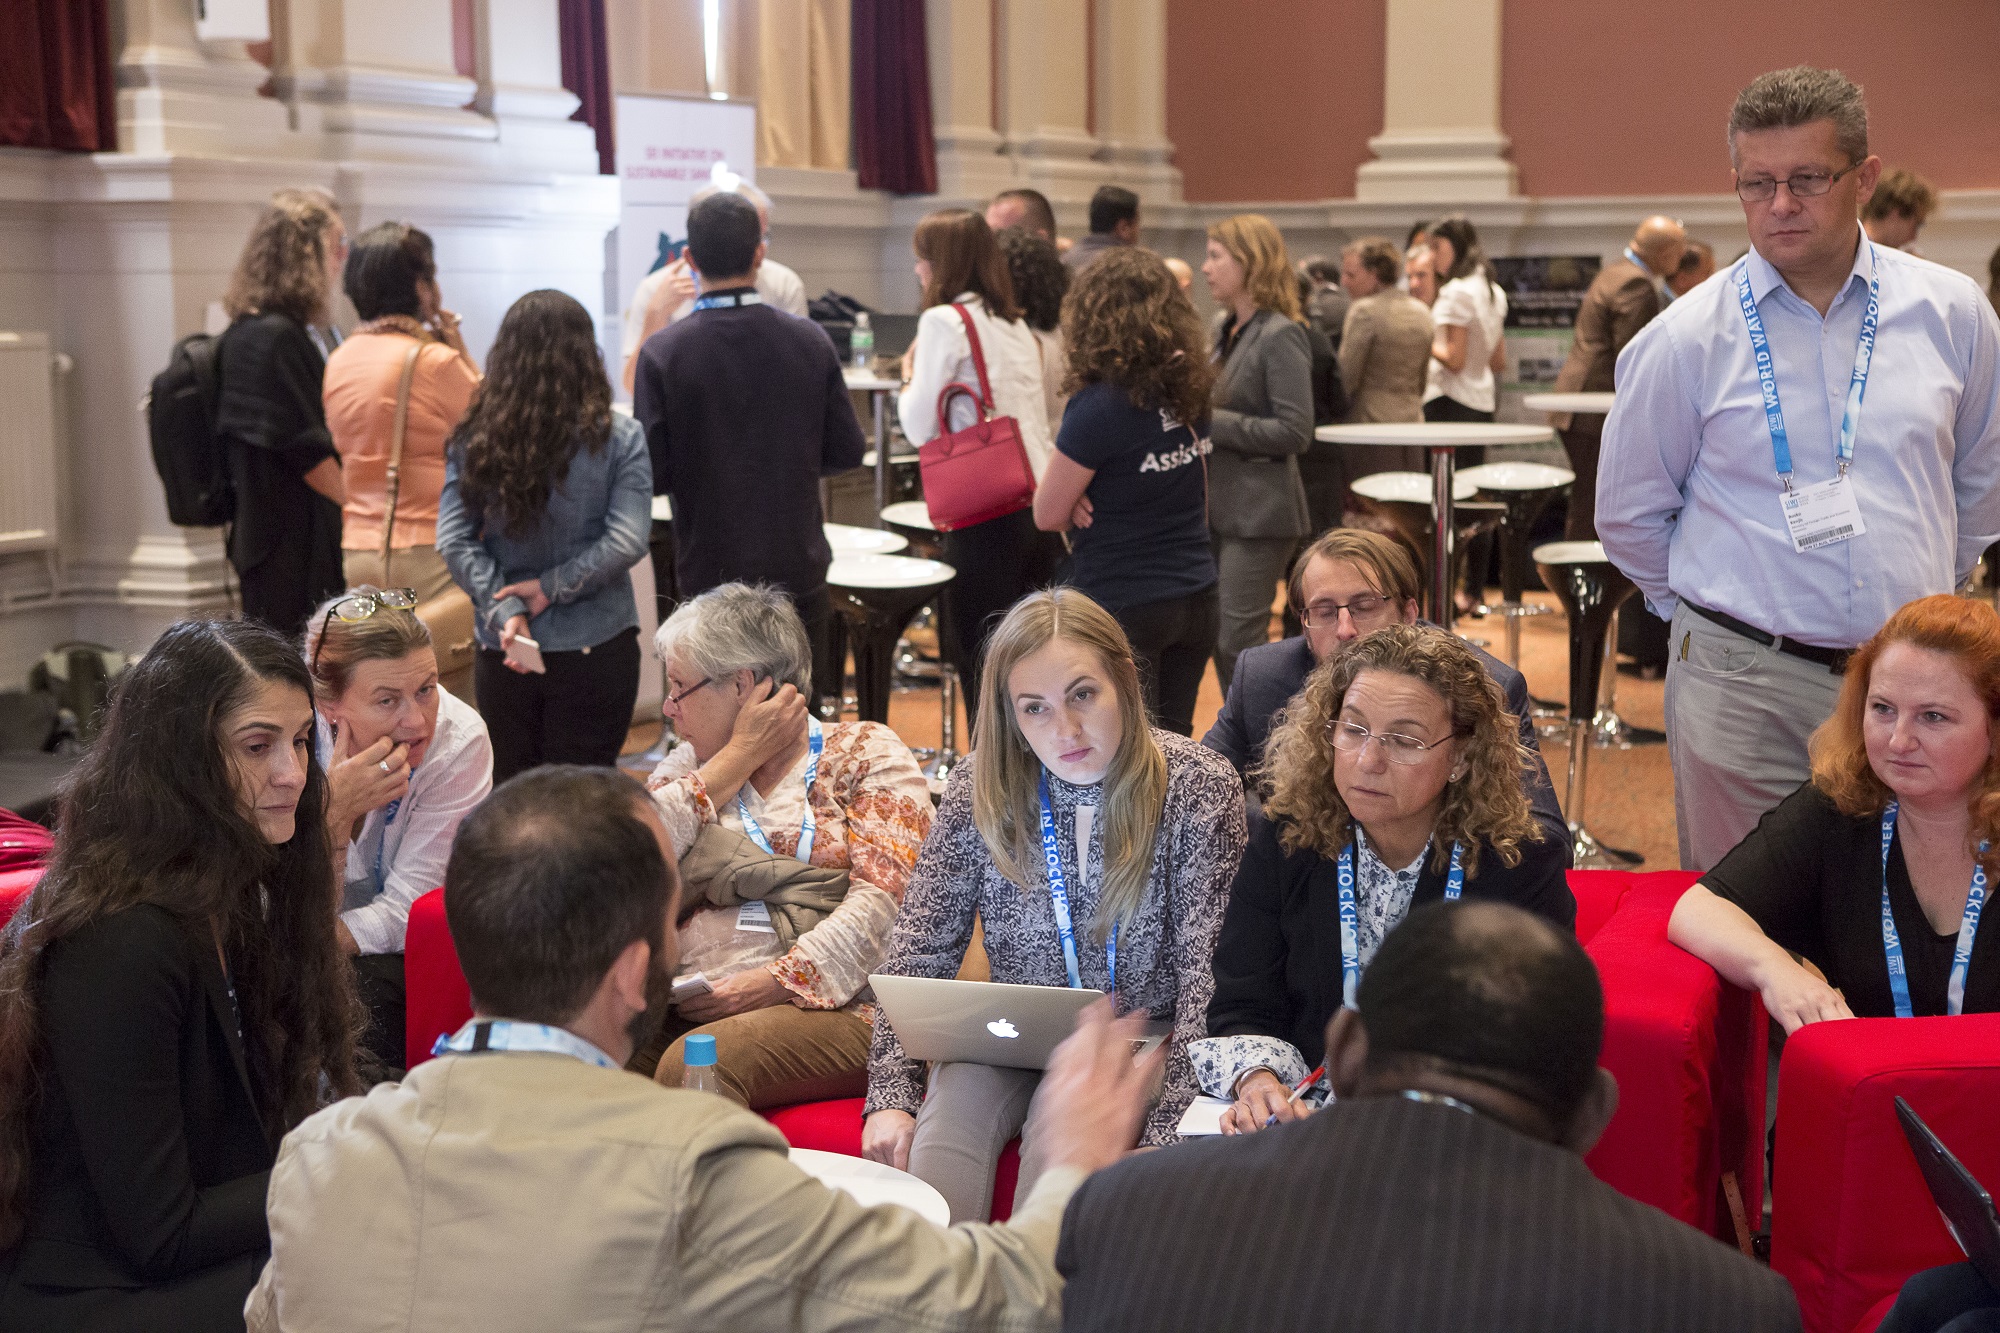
(815, 742)
(1350, 918)
(1968, 931)
(1828, 512)
(1059, 898)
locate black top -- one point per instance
(1278, 964)
(148, 1161)
(745, 410)
(271, 415)
(1381, 1215)
(1148, 537)
(1812, 879)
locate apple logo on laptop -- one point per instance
(1000, 1027)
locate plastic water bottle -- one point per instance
(862, 342)
(698, 1064)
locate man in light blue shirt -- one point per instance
(1779, 515)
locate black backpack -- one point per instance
(187, 453)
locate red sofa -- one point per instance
(1851, 1218)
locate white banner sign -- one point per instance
(669, 147)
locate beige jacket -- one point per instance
(536, 1192)
(1385, 353)
(726, 869)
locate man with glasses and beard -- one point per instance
(524, 1180)
(1797, 449)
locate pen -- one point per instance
(1297, 1093)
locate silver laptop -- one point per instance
(979, 1022)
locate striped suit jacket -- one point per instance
(1383, 1214)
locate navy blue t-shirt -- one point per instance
(1148, 537)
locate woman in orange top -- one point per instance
(391, 277)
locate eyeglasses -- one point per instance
(349, 610)
(1353, 738)
(675, 699)
(1328, 613)
(1805, 185)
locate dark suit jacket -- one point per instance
(1263, 421)
(1621, 299)
(1381, 1215)
(1268, 675)
(148, 1160)
(1277, 961)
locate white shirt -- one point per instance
(1688, 494)
(455, 775)
(777, 284)
(1013, 368)
(1480, 308)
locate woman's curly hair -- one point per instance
(282, 270)
(1041, 279)
(544, 397)
(1295, 779)
(1127, 323)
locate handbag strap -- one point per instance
(978, 358)
(395, 483)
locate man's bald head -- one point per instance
(1660, 241)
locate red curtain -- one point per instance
(55, 75)
(893, 147)
(586, 71)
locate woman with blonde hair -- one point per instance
(1392, 780)
(1129, 479)
(1262, 422)
(1897, 823)
(1094, 851)
(285, 543)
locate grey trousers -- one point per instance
(1250, 569)
(969, 1114)
(1739, 715)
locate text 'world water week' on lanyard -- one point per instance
(1059, 897)
(1968, 931)
(1350, 918)
(1827, 513)
(729, 299)
(815, 742)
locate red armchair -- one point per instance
(1688, 1050)
(1851, 1218)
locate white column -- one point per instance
(1044, 76)
(1441, 139)
(178, 94)
(377, 79)
(960, 37)
(1132, 97)
(517, 46)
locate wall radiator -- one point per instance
(27, 444)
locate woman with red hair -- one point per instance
(1875, 871)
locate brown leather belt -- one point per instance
(1833, 659)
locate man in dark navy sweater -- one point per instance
(745, 410)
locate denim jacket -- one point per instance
(594, 531)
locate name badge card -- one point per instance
(1822, 515)
(755, 916)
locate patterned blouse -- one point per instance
(873, 810)
(1163, 955)
(1382, 898)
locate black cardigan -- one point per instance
(148, 1160)
(1277, 964)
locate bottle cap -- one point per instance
(700, 1050)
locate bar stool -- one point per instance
(1404, 498)
(846, 539)
(912, 519)
(1590, 588)
(1526, 489)
(876, 595)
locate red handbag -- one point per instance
(980, 473)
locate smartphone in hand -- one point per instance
(526, 654)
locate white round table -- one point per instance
(1411, 488)
(1587, 403)
(878, 388)
(1440, 437)
(871, 1183)
(1517, 476)
(846, 539)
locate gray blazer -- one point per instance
(1263, 421)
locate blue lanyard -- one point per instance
(1767, 375)
(1968, 931)
(728, 299)
(1059, 896)
(388, 818)
(502, 1034)
(815, 742)
(1350, 917)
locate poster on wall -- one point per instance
(669, 147)
(1544, 292)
